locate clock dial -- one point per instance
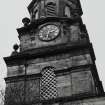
(48, 32)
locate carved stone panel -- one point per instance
(75, 83)
(64, 85)
(27, 42)
(21, 92)
(15, 70)
(32, 90)
(14, 93)
(82, 82)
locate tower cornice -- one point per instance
(46, 51)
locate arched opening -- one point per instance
(36, 14)
(67, 12)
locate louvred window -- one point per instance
(51, 9)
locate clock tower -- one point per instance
(56, 61)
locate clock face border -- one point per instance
(47, 40)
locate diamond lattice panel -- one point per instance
(48, 88)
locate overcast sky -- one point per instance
(12, 12)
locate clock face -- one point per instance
(48, 33)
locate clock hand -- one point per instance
(47, 34)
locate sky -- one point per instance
(13, 11)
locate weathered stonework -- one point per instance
(71, 34)
(15, 91)
(56, 62)
(90, 101)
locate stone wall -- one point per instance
(89, 101)
(68, 34)
(59, 62)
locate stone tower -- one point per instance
(56, 61)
